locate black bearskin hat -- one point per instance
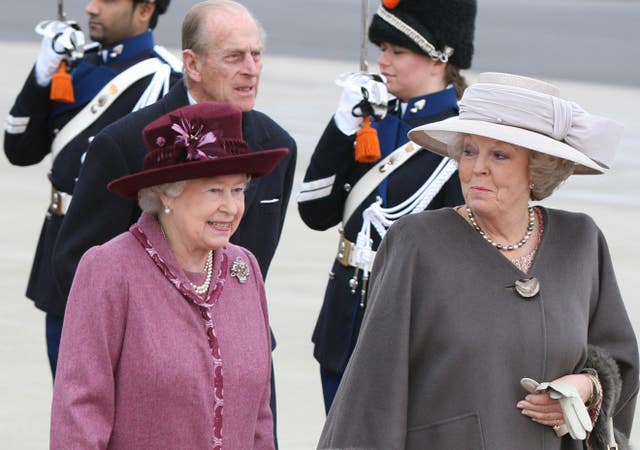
(440, 29)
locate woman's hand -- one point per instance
(542, 409)
(582, 383)
(546, 411)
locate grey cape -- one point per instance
(446, 339)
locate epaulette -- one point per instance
(168, 57)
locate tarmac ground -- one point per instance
(300, 94)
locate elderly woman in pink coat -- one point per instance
(166, 340)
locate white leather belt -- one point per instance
(60, 202)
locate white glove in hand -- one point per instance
(351, 95)
(576, 416)
(59, 39)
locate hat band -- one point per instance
(416, 37)
(179, 153)
(559, 119)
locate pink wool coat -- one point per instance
(135, 368)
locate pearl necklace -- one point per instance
(506, 247)
(208, 268)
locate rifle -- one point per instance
(364, 45)
(62, 17)
(70, 41)
(374, 92)
(374, 97)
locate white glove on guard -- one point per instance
(60, 40)
(352, 85)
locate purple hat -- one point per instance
(196, 141)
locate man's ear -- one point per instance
(191, 65)
(144, 11)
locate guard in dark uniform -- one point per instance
(433, 39)
(121, 72)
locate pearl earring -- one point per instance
(167, 210)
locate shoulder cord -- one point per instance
(382, 218)
(160, 81)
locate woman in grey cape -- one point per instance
(510, 332)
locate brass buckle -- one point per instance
(344, 251)
(56, 202)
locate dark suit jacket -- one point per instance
(97, 215)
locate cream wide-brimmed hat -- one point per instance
(530, 113)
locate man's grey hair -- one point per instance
(194, 36)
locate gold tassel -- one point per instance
(62, 86)
(367, 145)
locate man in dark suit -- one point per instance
(222, 57)
(120, 72)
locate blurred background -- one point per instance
(589, 48)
